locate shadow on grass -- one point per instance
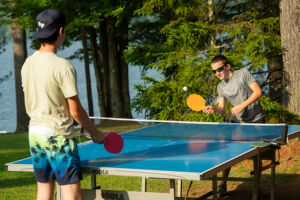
(17, 182)
(13, 142)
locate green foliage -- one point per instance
(186, 35)
(247, 32)
(175, 38)
(166, 100)
(276, 113)
(255, 41)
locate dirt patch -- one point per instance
(287, 178)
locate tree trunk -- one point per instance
(87, 71)
(123, 43)
(114, 70)
(275, 67)
(290, 39)
(211, 19)
(97, 68)
(104, 69)
(20, 54)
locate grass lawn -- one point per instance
(15, 185)
(22, 185)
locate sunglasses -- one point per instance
(219, 69)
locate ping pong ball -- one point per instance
(185, 88)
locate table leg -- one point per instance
(215, 186)
(179, 188)
(256, 184)
(273, 166)
(144, 184)
(172, 188)
(93, 181)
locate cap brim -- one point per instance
(43, 34)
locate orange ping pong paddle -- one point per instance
(196, 102)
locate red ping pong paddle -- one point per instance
(196, 102)
(113, 143)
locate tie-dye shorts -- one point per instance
(53, 156)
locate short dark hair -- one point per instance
(50, 40)
(221, 58)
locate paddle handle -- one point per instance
(211, 110)
(82, 134)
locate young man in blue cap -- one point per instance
(242, 90)
(52, 103)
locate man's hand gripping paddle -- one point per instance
(196, 102)
(113, 142)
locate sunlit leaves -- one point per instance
(244, 31)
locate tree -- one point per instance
(103, 21)
(172, 36)
(4, 28)
(20, 55)
(290, 34)
(245, 31)
(273, 48)
(113, 89)
(114, 69)
(10, 11)
(87, 71)
(113, 41)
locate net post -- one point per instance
(284, 133)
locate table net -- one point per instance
(193, 130)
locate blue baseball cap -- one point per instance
(48, 22)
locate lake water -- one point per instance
(7, 86)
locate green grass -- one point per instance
(297, 158)
(22, 185)
(15, 185)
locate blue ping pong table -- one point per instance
(181, 151)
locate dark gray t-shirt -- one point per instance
(236, 90)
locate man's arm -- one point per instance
(254, 96)
(219, 109)
(81, 117)
(221, 106)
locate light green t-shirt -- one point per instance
(47, 81)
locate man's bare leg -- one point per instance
(45, 190)
(71, 191)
